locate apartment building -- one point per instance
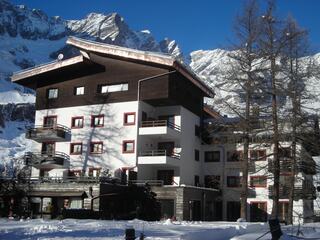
(116, 111)
(223, 163)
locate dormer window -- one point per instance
(79, 91)
(104, 88)
(52, 93)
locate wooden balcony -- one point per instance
(54, 133)
(306, 191)
(44, 160)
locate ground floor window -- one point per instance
(283, 211)
(75, 203)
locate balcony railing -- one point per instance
(46, 159)
(42, 133)
(157, 183)
(306, 191)
(153, 153)
(160, 123)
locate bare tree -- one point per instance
(270, 44)
(243, 73)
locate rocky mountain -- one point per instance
(29, 37)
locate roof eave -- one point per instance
(45, 68)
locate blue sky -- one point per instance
(194, 24)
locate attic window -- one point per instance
(113, 88)
(52, 93)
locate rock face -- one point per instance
(29, 37)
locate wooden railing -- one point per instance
(160, 123)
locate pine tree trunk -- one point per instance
(276, 165)
(245, 164)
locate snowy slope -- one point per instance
(29, 37)
(213, 65)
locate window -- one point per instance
(97, 121)
(113, 88)
(77, 122)
(196, 180)
(75, 173)
(76, 203)
(197, 130)
(234, 156)
(48, 148)
(196, 155)
(258, 155)
(212, 181)
(233, 181)
(258, 181)
(75, 148)
(50, 121)
(52, 93)
(212, 156)
(94, 172)
(285, 152)
(79, 91)
(128, 146)
(96, 147)
(129, 119)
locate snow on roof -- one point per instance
(45, 68)
(112, 50)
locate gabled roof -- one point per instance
(46, 67)
(87, 47)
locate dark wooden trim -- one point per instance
(125, 142)
(97, 142)
(125, 118)
(77, 117)
(71, 147)
(98, 116)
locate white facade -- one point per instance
(114, 132)
(303, 208)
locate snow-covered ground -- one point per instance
(99, 229)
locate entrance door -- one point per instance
(195, 210)
(258, 211)
(50, 121)
(283, 211)
(233, 211)
(168, 146)
(167, 208)
(166, 176)
(217, 210)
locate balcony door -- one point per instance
(50, 121)
(167, 146)
(166, 176)
(168, 118)
(48, 148)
